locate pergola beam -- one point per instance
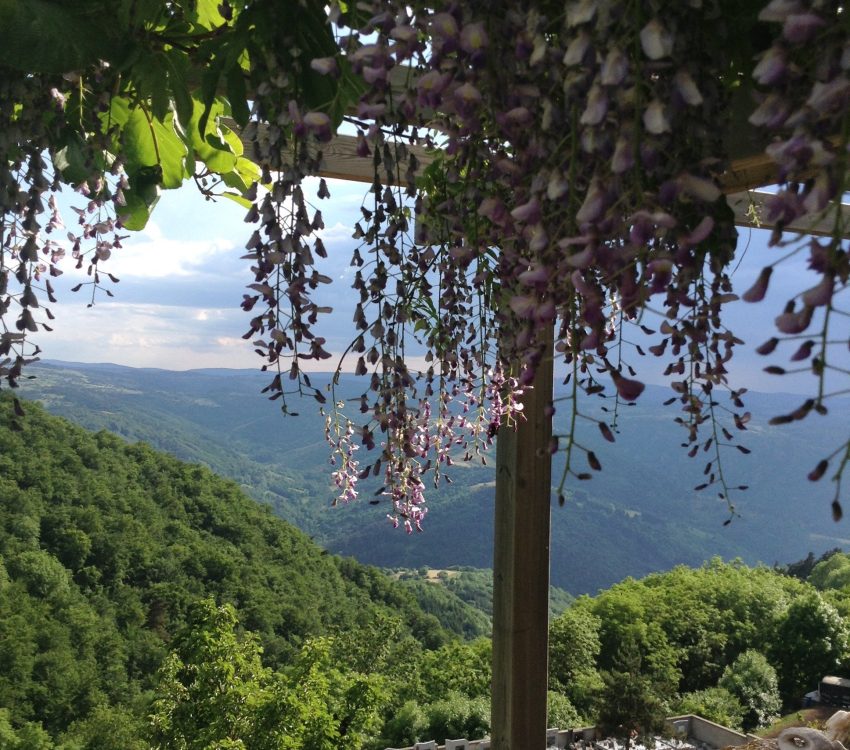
(340, 161)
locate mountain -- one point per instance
(640, 514)
(105, 547)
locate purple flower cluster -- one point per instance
(346, 472)
(576, 187)
(804, 93)
(576, 184)
(30, 251)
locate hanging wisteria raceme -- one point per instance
(435, 293)
(33, 235)
(574, 185)
(24, 183)
(805, 81)
(573, 207)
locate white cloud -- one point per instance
(164, 258)
(336, 233)
(166, 336)
(151, 232)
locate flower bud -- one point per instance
(325, 66)
(656, 40)
(687, 88)
(800, 27)
(614, 69)
(757, 291)
(655, 118)
(627, 389)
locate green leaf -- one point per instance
(176, 63)
(248, 170)
(216, 159)
(118, 112)
(233, 141)
(237, 95)
(322, 92)
(245, 175)
(70, 162)
(209, 89)
(39, 36)
(206, 14)
(150, 142)
(139, 147)
(237, 198)
(211, 148)
(139, 204)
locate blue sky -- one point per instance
(181, 283)
(182, 279)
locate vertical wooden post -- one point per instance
(521, 572)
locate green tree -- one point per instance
(560, 712)
(457, 716)
(28, 736)
(811, 642)
(753, 682)
(802, 569)
(715, 704)
(211, 687)
(407, 725)
(831, 573)
(633, 702)
(215, 693)
(463, 668)
(106, 728)
(574, 647)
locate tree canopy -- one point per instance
(580, 162)
(123, 573)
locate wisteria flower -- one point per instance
(655, 118)
(800, 27)
(319, 124)
(577, 49)
(326, 66)
(772, 67)
(473, 39)
(655, 40)
(757, 291)
(597, 106)
(820, 294)
(614, 69)
(687, 88)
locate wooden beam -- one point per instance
(340, 161)
(751, 211)
(521, 570)
(747, 173)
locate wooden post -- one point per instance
(521, 572)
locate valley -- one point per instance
(639, 515)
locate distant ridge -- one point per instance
(639, 515)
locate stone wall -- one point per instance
(699, 731)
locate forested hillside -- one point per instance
(639, 515)
(442, 591)
(726, 641)
(105, 547)
(144, 601)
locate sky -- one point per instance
(182, 280)
(181, 283)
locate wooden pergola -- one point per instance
(524, 462)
